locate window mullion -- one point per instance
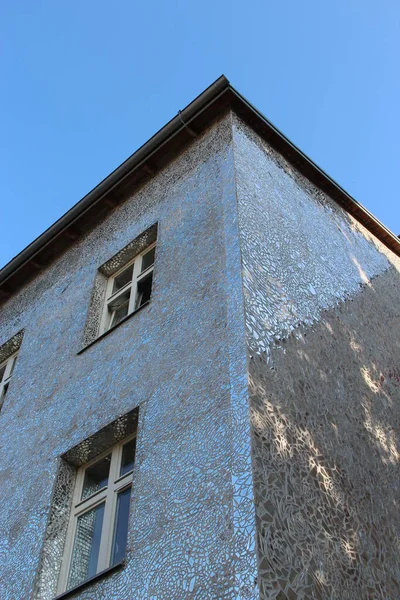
(122, 481)
(114, 464)
(135, 275)
(83, 506)
(103, 559)
(117, 455)
(104, 321)
(119, 292)
(145, 273)
(108, 521)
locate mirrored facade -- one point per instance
(258, 387)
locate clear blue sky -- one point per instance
(85, 83)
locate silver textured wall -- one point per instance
(181, 360)
(308, 328)
(323, 330)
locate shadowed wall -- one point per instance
(326, 421)
(322, 319)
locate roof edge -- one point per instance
(159, 138)
(158, 151)
(369, 216)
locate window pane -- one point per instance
(122, 279)
(121, 527)
(86, 546)
(144, 290)
(148, 259)
(128, 455)
(119, 314)
(119, 307)
(96, 477)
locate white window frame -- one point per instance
(106, 322)
(9, 364)
(107, 495)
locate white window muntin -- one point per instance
(6, 371)
(107, 495)
(130, 289)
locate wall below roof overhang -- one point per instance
(159, 151)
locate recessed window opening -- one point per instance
(98, 528)
(129, 289)
(6, 371)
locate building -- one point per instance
(224, 307)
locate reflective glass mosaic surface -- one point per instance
(195, 513)
(322, 320)
(191, 527)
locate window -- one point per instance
(122, 285)
(128, 289)
(6, 371)
(97, 531)
(75, 548)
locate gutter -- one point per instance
(152, 156)
(176, 124)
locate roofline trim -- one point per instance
(316, 167)
(174, 127)
(143, 153)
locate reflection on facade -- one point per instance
(204, 402)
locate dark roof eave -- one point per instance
(154, 155)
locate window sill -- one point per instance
(103, 335)
(84, 584)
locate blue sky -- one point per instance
(85, 83)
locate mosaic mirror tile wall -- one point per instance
(317, 351)
(322, 320)
(181, 360)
